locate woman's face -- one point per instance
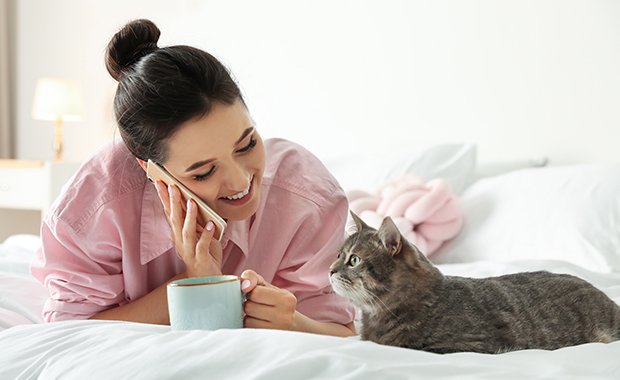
(221, 158)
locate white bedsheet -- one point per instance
(115, 350)
(122, 350)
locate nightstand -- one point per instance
(32, 185)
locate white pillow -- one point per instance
(25, 241)
(453, 162)
(556, 213)
(17, 251)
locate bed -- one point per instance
(517, 217)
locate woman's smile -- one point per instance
(241, 198)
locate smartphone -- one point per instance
(155, 171)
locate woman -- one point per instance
(113, 241)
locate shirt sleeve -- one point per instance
(305, 270)
(81, 281)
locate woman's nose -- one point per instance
(238, 177)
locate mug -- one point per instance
(205, 303)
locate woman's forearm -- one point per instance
(306, 324)
(152, 308)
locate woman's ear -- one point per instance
(142, 163)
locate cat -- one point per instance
(407, 302)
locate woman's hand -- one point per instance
(201, 253)
(266, 306)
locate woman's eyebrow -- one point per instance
(244, 135)
(198, 164)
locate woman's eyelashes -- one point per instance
(245, 149)
(248, 147)
(202, 177)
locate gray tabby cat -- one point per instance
(407, 302)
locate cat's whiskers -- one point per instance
(358, 292)
(341, 286)
(372, 299)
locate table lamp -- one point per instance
(59, 100)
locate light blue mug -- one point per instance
(206, 303)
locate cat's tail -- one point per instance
(617, 321)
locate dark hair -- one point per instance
(161, 88)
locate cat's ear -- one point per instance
(390, 236)
(359, 223)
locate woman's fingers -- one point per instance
(201, 253)
(176, 211)
(277, 313)
(204, 254)
(189, 227)
(170, 197)
(250, 279)
(204, 244)
(162, 192)
(272, 296)
(215, 246)
(254, 323)
(267, 306)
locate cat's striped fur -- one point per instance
(407, 302)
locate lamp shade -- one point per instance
(57, 99)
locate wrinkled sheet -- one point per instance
(119, 350)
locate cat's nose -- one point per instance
(331, 273)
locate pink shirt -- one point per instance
(107, 241)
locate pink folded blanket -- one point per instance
(426, 213)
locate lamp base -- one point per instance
(58, 141)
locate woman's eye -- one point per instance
(248, 147)
(354, 260)
(202, 177)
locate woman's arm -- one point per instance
(152, 308)
(305, 324)
(201, 253)
(269, 307)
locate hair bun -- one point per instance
(132, 42)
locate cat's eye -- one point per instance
(354, 260)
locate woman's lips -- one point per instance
(242, 200)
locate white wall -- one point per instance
(521, 78)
